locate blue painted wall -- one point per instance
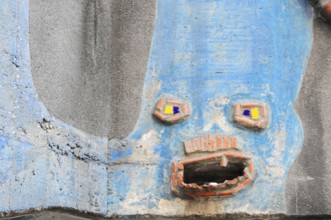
(210, 53)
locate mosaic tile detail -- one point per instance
(171, 110)
(251, 115)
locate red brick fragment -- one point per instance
(233, 142)
(160, 104)
(224, 161)
(185, 109)
(196, 144)
(237, 110)
(188, 146)
(242, 185)
(226, 142)
(159, 116)
(180, 180)
(203, 143)
(210, 143)
(219, 142)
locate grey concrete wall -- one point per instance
(309, 188)
(88, 64)
(89, 60)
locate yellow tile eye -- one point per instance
(251, 115)
(171, 110)
(168, 110)
(255, 113)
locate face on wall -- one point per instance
(217, 125)
(217, 132)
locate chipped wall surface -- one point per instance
(210, 54)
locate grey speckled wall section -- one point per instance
(89, 60)
(308, 185)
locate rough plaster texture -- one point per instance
(89, 60)
(307, 184)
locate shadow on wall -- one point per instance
(89, 59)
(308, 187)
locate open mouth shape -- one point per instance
(221, 174)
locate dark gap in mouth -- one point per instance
(211, 172)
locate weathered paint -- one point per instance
(208, 53)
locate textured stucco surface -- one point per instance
(308, 185)
(307, 188)
(89, 60)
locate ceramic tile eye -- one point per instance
(251, 115)
(171, 110)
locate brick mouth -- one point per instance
(212, 172)
(222, 174)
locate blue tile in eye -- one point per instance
(247, 112)
(176, 110)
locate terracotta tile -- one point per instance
(203, 194)
(226, 193)
(233, 142)
(204, 143)
(159, 116)
(173, 168)
(173, 180)
(185, 109)
(249, 105)
(263, 123)
(245, 121)
(175, 118)
(160, 104)
(226, 142)
(232, 182)
(211, 143)
(242, 185)
(237, 155)
(180, 180)
(196, 144)
(251, 168)
(202, 158)
(175, 191)
(188, 146)
(173, 102)
(224, 161)
(237, 110)
(219, 142)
